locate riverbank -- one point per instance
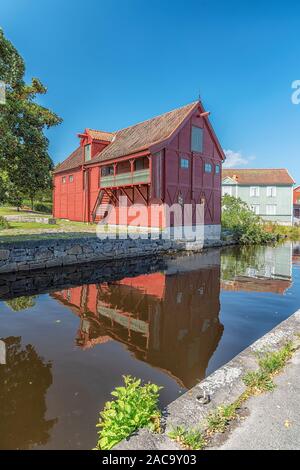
(225, 387)
(55, 252)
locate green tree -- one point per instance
(21, 303)
(23, 146)
(246, 226)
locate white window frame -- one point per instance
(227, 190)
(270, 211)
(87, 152)
(254, 191)
(271, 191)
(255, 208)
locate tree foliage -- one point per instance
(24, 157)
(245, 226)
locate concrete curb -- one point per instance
(224, 386)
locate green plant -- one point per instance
(271, 362)
(219, 419)
(3, 223)
(245, 226)
(21, 303)
(190, 439)
(43, 207)
(135, 406)
(258, 381)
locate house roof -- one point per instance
(270, 176)
(73, 161)
(141, 136)
(101, 135)
(135, 138)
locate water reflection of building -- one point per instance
(168, 319)
(296, 253)
(260, 269)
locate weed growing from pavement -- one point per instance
(189, 439)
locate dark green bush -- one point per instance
(3, 223)
(43, 207)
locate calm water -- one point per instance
(68, 336)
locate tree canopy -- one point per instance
(25, 164)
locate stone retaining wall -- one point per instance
(40, 254)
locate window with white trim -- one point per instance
(254, 191)
(87, 152)
(271, 209)
(255, 208)
(271, 191)
(197, 139)
(63, 180)
(184, 163)
(226, 190)
(71, 178)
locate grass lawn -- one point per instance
(20, 231)
(5, 210)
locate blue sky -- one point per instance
(111, 63)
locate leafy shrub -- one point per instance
(135, 406)
(42, 207)
(245, 226)
(3, 223)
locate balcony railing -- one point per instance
(125, 179)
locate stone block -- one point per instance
(74, 250)
(4, 254)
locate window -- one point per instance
(184, 163)
(71, 178)
(255, 208)
(63, 180)
(141, 164)
(254, 191)
(208, 168)
(271, 209)
(217, 169)
(271, 191)
(87, 153)
(197, 139)
(227, 190)
(107, 170)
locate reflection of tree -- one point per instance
(24, 381)
(236, 261)
(21, 303)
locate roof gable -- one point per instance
(228, 180)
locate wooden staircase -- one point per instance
(100, 206)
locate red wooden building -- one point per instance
(174, 157)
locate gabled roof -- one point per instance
(73, 161)
(136, 138)
(256, 177)
(145, 134)
(101, 135)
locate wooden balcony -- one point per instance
(126, 179)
